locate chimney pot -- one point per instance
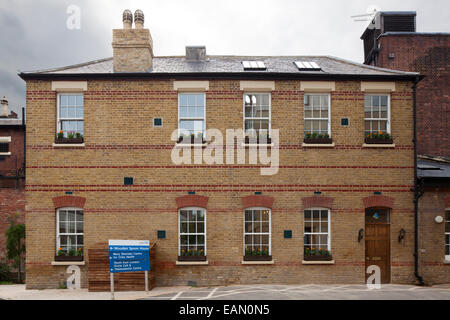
(4, 104)
(138, 19)
(127, 19)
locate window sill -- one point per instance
(68, 263)
(68, 145)
(446, 261)
(5, 153)
(191, 263)
(257, 145)
(318, 262)
(318, 145)
(258, 262)
(371, 145)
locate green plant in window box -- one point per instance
(80, 252)
(70, 135)
(71, 252)
(60, 252)
(60, 135)
(378, 137)
(320, 138)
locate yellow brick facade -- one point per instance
(121, 141)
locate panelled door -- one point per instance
(377, 240)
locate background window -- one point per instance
(376, 114)
(70, 113)
(317, 229)
(447, 235)
(4, 147)
(70, 229)
(192, 232)
(317, 113)
(257, 113)
(257, 230)
(191, 114)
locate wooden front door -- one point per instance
(378, 249)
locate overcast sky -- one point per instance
(34, 33)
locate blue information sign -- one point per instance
(129, 255)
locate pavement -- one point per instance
(240, 292)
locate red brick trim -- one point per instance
(447, 202)
(192, 200)
(378, 201)
(69, 201)
(257, 201)
(317, 202)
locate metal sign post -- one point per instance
(111, 277)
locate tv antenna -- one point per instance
(371, 11)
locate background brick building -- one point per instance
(132, 103)
(12, 164)
(391, 41)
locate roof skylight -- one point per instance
(307, 65)
(253, 65)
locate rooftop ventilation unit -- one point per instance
(307, 66)
(253, 65)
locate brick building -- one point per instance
(337, 188)
(12, 164)
(391, 41)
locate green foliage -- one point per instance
(15, 243)
(4, 272)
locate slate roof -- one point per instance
(229, 65)
(433, 169)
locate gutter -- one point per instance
(418, 189)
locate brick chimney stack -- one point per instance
(4, 104)
(132, 48)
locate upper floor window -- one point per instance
(69, 232)
(192, 234)
(191, 114)
(257, 114)
(317, 114)
(447, 235)
(71, 114)
(376, 114)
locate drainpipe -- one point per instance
(24, 142)
(418, 189)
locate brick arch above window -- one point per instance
(447, 202)
(257, 201)
(317, 202)
(192, 200)
(69, 201)
(378, 201)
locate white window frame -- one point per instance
(192, 118)
(59, 119)
(259, 233)
(6, 140)
(447, 257)
(257, 118)
(188, 234)
(388, 123)
(318, 233)
(58, 234)
(320, 119)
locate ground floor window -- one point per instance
(317, 242)
(447, 235)
(257, 232)
(70, 232)
(192, 232)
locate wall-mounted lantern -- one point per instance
(360, 234)
(401, 235)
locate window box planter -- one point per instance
(318, 140)
(247, 140)
(316, 257)
(69, 258)
(258, 258)
(191, 258)
(378, 141)
(190, 140)
(69, 141)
